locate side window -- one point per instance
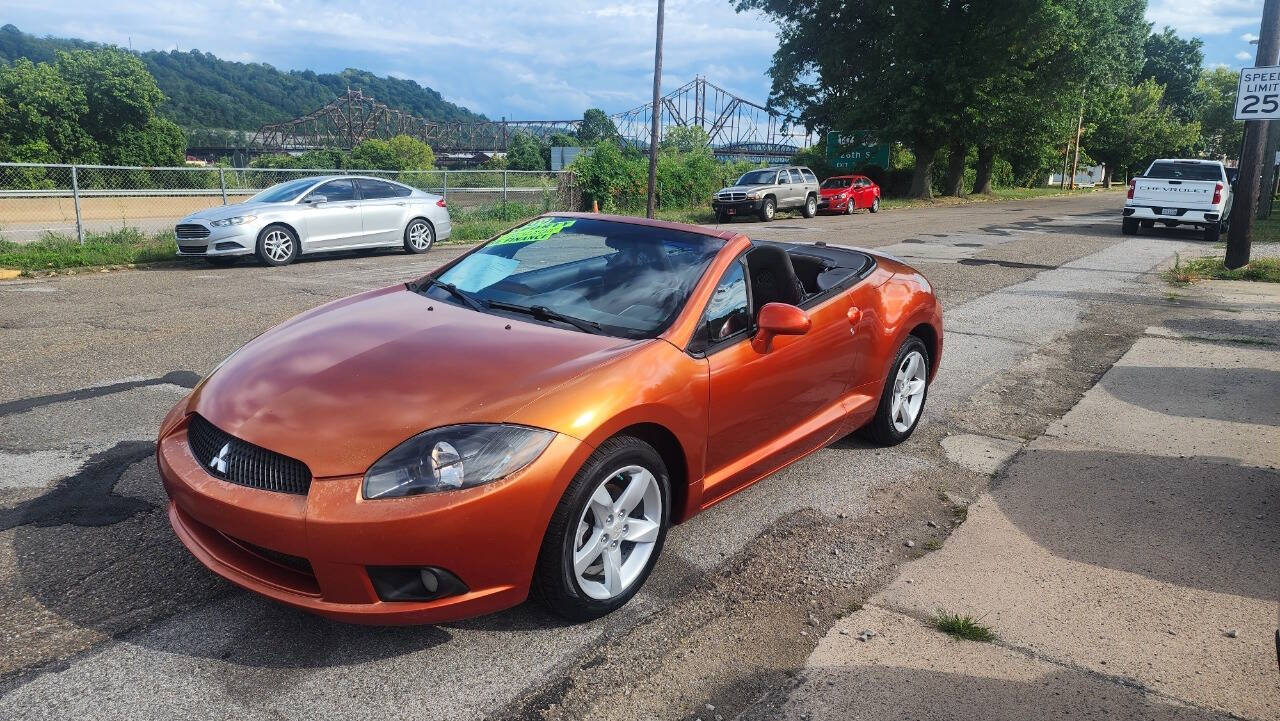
(809, 176)
(796, 177)
(727, 315)
(336, 190)
(375, 189)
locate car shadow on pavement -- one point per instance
(1200, 522)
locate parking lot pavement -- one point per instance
(99, 595)
(1126, 560)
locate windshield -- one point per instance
(283, 192)
(631, 280)
(758, 177)
(836, 183)
(1185, 171)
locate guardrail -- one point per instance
(39, 198)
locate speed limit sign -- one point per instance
(1258, 97)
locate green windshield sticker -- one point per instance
(540, 229)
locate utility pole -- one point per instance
(1251, 161)
(656, 113)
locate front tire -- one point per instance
(277, 245)
(810, 207)
(607, 532)
(905, 391)
(768, 208)
(419, 236)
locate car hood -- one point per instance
(339, 386)
(827, 192)
(218, 212)
(743, 188)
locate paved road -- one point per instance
(107, 617)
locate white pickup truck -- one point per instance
(1180, 192)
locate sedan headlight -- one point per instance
(453, 457)
(238, 220)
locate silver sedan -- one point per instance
(312, 215)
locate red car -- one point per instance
(847, 193)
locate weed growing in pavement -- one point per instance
(959, 626)
(1265, 270)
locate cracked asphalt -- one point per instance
(107, 616)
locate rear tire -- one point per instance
(277, 246)
(614, 466)
(1212, 232)
(1128, 226)
(768, 208)
(810, 208)
(875, 205)
(903, 399)
(419, 236)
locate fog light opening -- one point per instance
(414, 583)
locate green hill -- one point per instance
(204, 91)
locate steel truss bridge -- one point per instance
(734, 126)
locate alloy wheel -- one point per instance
(908, 392)
(420, 235)
(849, 206)
(278, 245)
(616, 532)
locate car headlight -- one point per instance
(238, 220)
(453, 457)
(755, 195)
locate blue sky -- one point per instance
(548, 59)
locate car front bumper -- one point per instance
(736, 207)
(1171, 215)
(833, 204)
(314, 552)
(231, 240)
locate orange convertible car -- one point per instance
(530, 418)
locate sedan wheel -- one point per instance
(277, 245)
(849, 207)
(904, 395)
(418, 236)
(606, 533)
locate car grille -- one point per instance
(731, 196)
(243, 463)
(187, 231)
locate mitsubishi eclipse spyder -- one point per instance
(531, 418)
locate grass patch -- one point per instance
(1265, 270)
(1267, 230)
(995, 197)
(470, 225)
(55, 251)
(959, 626)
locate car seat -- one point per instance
(773, 278)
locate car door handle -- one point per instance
(401, 203)
(348, 206)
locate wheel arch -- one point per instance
(932, 340)
(672, 452)
(287, 226)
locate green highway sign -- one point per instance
(856, 150)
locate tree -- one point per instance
(524, 152)
(596, 126)
(1221, 134)
(1132, 125)
(411, 153)
(685, 138)
(400, 153)
(1176, 64)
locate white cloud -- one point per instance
(553, 58)
(1248, 37)
(1205, 17)
(1242, 55)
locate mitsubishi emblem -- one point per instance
(219, 462)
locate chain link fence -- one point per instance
(71, 200)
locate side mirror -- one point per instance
(316, 199)
(778, 319)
